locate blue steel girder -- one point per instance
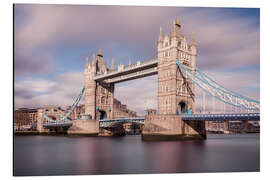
(185, 117)
(222, 117)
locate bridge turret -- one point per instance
(90, 87)
(160, 39)
(86, 63)
(177, 30)
(112, 65)
(101, 66)
(193, 49)
(94, 65)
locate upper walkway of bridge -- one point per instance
(129, 72)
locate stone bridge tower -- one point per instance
(98, 95)
(175, 92)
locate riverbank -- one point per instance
(31, 133)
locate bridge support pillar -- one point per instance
(169, 127)
(84, 127)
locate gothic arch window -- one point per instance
(166, 44)
(102, 100)
(166, 54)
(102, 90)
(179, 44)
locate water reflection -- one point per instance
(63, 155)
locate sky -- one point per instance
(51, 43)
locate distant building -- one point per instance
(232, 126)
(78, 111)
(121, 110)
(24, 117)
(253, 126)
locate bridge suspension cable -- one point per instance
(64, 118)
(219, 92)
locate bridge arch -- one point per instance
(182, 107)
(102, 114)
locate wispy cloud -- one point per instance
(60, 91)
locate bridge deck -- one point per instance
(185, 117)
(222, 117)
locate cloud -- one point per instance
(139, 94)
(43, 33)
(61, 91)
(222, 41)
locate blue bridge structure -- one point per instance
(186, 117)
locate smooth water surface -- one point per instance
(64, 155)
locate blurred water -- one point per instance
(64, 155)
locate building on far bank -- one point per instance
(233, 126)
(121, 110)
(78, 112)
(24, 117)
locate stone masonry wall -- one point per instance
(168, 124)
(84, 127)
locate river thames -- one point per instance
(65, 155)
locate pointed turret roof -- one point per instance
(177, 31)
(86, 63)
(160, 38)
(193, 41)
(100, 53)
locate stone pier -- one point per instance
(84, 127)
(169, 127)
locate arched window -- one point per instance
(102, 100)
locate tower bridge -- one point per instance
(178, 75)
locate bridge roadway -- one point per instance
(133, 71)
(185, 117)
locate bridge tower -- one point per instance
(98, 95)
(175, 92)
